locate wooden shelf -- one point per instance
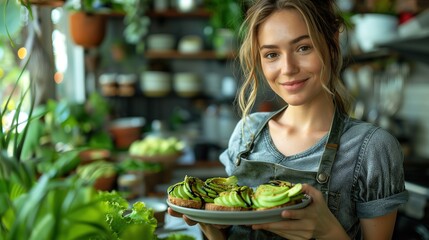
(174, 54)
(48, 3)
(172, 13)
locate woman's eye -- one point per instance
(270, 55)
(304, 49)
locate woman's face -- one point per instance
(289, 60)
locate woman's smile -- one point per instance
(293, 86)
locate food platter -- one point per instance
(237, 217)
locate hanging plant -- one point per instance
(136, 22)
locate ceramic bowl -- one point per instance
(187, 84)
(160, 42)
(155, 83)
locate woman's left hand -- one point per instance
(313, 221)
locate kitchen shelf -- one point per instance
(49, 3)
(168, 14)
(174, 54)
(415, 47)
(171, 13)
(381, 53)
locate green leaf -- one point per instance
(43, 228)
(10, 24)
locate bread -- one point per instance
(216, 207)
(188, 193)
(188, 203)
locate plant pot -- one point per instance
(87, 30)
(105, 183)
(90, 155)
(126, 130)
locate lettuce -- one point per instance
(125, 222)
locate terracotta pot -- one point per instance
(124, 137)
(87, 30)
(126, 130)
(91, 155)
(105, 183)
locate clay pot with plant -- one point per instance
(88, 20)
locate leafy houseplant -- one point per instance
(42, 205)
(381, 6)
(46, 206)
(136, 22)
(49, 205)
(226, 18)
(64, 126)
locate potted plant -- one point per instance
(376, 23)
(226, 18)
(88, 20)
(48, 205)
(58, 207)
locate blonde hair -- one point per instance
(323, 23)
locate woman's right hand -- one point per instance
(211, 231)
(180, 215)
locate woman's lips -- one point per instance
(294, 85)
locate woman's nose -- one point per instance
(289, 65)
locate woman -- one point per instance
(351, 169)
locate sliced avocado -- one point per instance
(295, 190)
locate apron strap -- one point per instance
(328, 157)
(250, 142)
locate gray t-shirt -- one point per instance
(367, 178)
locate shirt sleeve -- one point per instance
(379, 177)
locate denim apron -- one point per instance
(259, 172)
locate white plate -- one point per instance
(237, 217)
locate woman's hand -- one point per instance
(211, 231)
(313, 221)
